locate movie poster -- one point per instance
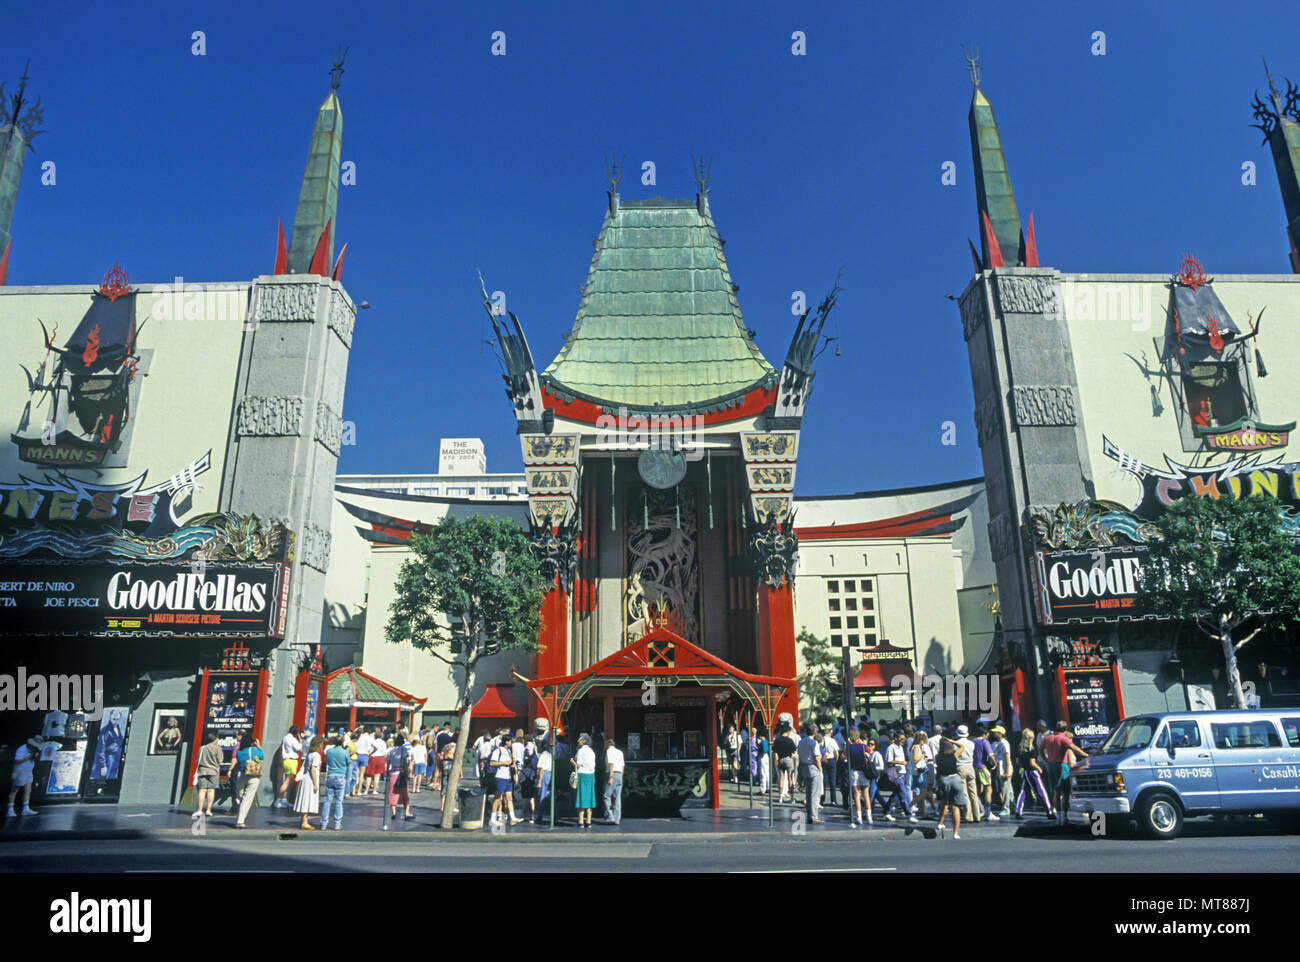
(231, 707)
(1090, 705)
(167, 733)
(65, 773)
(104, 778)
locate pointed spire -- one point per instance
(281, 252)
(17, 128)
(1000, 223)
(318, 197)
(1279, 120)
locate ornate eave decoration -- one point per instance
(556, 552)
(115, 283)
(774, 550)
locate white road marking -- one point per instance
(786, 871)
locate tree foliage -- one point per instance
(1218, 563)
(820, 683)
(471, 588)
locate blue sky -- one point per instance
(179, 164)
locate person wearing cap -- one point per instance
(1002, 768)
(21, 780)
(966, 770)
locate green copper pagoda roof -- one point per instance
(319, 195)
(993, 192)
(659, 324)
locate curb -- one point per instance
(569, 836)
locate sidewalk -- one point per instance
(364, 819)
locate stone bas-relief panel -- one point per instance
(1045, 405)
(270, 416)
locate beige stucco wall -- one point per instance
(185, 398)
(363, 575)
(1115, 397)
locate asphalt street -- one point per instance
(1205, 849)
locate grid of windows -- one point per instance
(851, 612)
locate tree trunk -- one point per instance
(1230, 664)
(452, 782)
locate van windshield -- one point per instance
(1132, 733)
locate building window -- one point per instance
(853, 595)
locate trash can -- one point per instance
(472, 802)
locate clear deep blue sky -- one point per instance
(177, 164)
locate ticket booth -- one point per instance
(659, 699)
(354, 698)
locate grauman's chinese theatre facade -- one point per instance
(660, 448)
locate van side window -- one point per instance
(1252, 734)
(1291, 726)
(1184, 734)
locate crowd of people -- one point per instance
(509, 762)
(979, 774)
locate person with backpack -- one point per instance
(528, 778)
(502, 765)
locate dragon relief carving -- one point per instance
(556, 552)
(663, 562)
(1087, 524)
(774, 549)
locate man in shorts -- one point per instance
(24, 765)
(290, 749)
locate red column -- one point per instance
(776, 641)
(553, 659)
(609, 719)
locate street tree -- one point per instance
(1226, 565)
(820, 681)
(471, 589)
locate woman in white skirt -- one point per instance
(307, 801)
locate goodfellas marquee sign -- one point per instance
(1080, 587)
(103, 599)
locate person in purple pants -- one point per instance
(1031, 775)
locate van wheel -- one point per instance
(1160, 816)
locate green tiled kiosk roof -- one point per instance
(659, 324)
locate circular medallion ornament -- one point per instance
(661, 469)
